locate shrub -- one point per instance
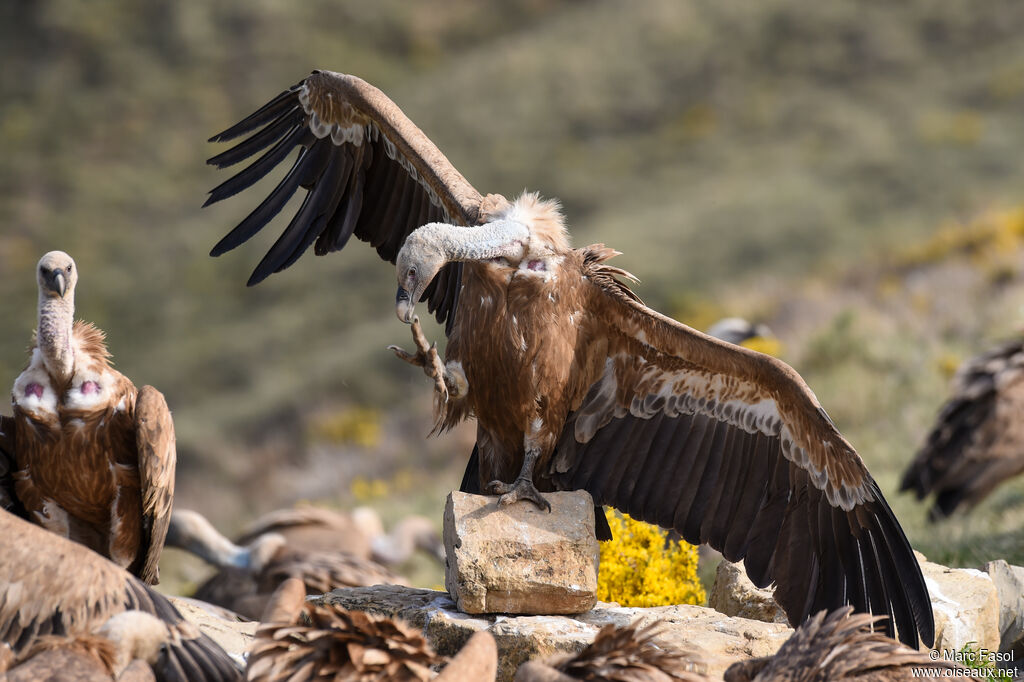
(639, 568)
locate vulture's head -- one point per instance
(418, 262)
(57, 275)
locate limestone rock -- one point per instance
(521, 559)
(735, 595)
(965, 604)
(716, 639)
(1009, 582)
(232, 634)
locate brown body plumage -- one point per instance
(306, 641)
(840, 646)
(977, 441)
(626, 654)
(56, 594)
(94, 456)
(573, 381)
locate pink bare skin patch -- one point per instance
(536, 265)
(34, 389)
(90, 387)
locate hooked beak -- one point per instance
(404, 306)
(57, 283)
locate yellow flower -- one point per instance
(639, 568)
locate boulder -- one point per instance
(717, 640)
(735, 595)
(521, 559)
(965, 604)
(1009, 583)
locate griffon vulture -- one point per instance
(248, 575)
(53, 588)
(573, 381)
(330, 643)
(95, 456)
(841, 646)
(977, 441)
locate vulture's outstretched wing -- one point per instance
(978, 439)
(52, 586)
(154, 437)
(730, 447)
(368, 171)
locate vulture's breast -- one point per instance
(74, 444)
(517, 344)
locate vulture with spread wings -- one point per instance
(573, 381)
(90, 457)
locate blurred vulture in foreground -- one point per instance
(249, 575)
(841, 646)
(626, 654)
(94, 457)
(977, 441)
(334, 644)
(573, 381)
(64, 609)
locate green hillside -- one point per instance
(740, 155)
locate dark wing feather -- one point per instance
(977, 441)
(154, 437)
(8, 465)
(52, 586)
(368, 169)
(746, 461)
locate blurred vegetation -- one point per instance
(787, 161)
(639, 567)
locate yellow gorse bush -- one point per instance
(638, 569)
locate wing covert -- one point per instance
(154, 437)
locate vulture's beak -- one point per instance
(404, 306)
(56, 282)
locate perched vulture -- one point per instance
(334, 644)
(840, 646)
(626, 654)
(978, 440)
(248, 576)
(573, 381)
(94, 456)
(58, 595)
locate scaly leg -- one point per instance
(522, 488)
(427, 357)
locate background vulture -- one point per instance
(977, 441)
(94, 457)
(573, 381)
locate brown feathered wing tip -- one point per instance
(839, 645)
(330, 643)
(630, 654)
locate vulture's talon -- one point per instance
(521, 490)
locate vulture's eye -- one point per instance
(69, 268)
